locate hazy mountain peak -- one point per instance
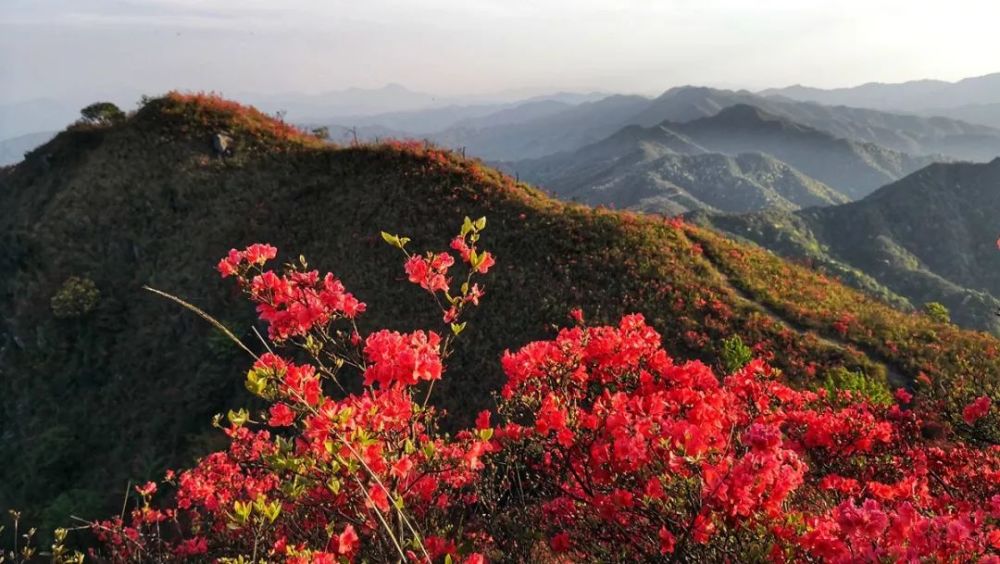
(745, 113)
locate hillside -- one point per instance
(927, 237)
(146, 202)
(588, 123)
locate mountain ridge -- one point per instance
(915, 95)
(667, 168)
(587, 123)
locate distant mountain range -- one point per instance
(590, 122)
(31, 116)
(398, 108)
(974, 99)
(927, 237)
(392, 106)
(740, 159)
(13, 150)
(915, 95)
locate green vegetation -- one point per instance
(145, 201)
(937, 312)
(839, 381)
(735, 354)
(75, 298)
(102, 113)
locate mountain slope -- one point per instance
(121, 386)
(928, 237)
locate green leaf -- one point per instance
(256, 382)
(481, 223)
(391, 239)
(238, 418)
(272, 510)
(457, 328)
(241, 510)
(333, 485)
(467, 226)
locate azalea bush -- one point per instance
(637, 457)
(602, 448)
(319, 479)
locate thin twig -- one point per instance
(215, 323)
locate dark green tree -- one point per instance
(102, 113)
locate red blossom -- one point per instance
(405, 359)
(281, 415)
(976, 410)
(560, 542)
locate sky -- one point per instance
(83, 49)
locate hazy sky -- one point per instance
(84, 48)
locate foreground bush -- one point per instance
(603, 448)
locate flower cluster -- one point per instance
(606, 449)
(322, 476)
(635, 456)
(292, 303)
(430, 271)
(403, 359)
(976, 410)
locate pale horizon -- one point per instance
(82, 49)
